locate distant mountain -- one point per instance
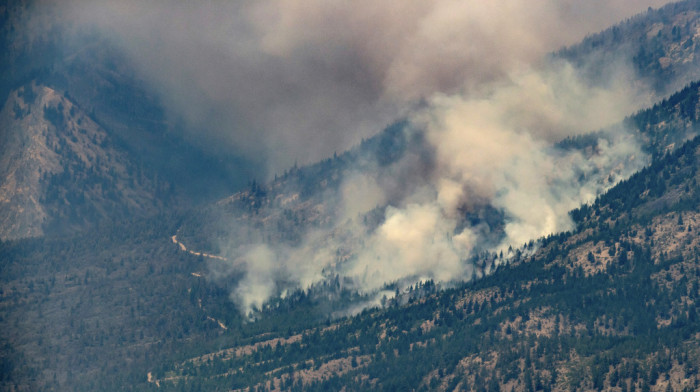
(99, 77)
(95, 78)
(60, 171)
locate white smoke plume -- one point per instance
(496, 149)
(289, 81)
(295, 80)
(499, 148)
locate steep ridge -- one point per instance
(670, 122)
(59, 170)
(661, 46)
(92, 73)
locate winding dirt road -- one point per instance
(184, 249)
(197, 274)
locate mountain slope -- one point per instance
(95, 76)
(131, 302)
(59, 170)
(662, 46)
(304, 213)
(610, 306)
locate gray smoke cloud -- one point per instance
(294, 81)
(495, 149)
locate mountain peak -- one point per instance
(59, 169)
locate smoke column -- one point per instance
(295, 80)
(494, 149)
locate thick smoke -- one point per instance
(295, 80)
(495, 149)
(499, 148)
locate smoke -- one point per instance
(295, 80)
(495, 153)
(499, 148)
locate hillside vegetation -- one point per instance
(611, 304)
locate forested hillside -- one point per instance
(612, 303)
(61, 172)
(661, 47)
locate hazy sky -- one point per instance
(296, 80)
